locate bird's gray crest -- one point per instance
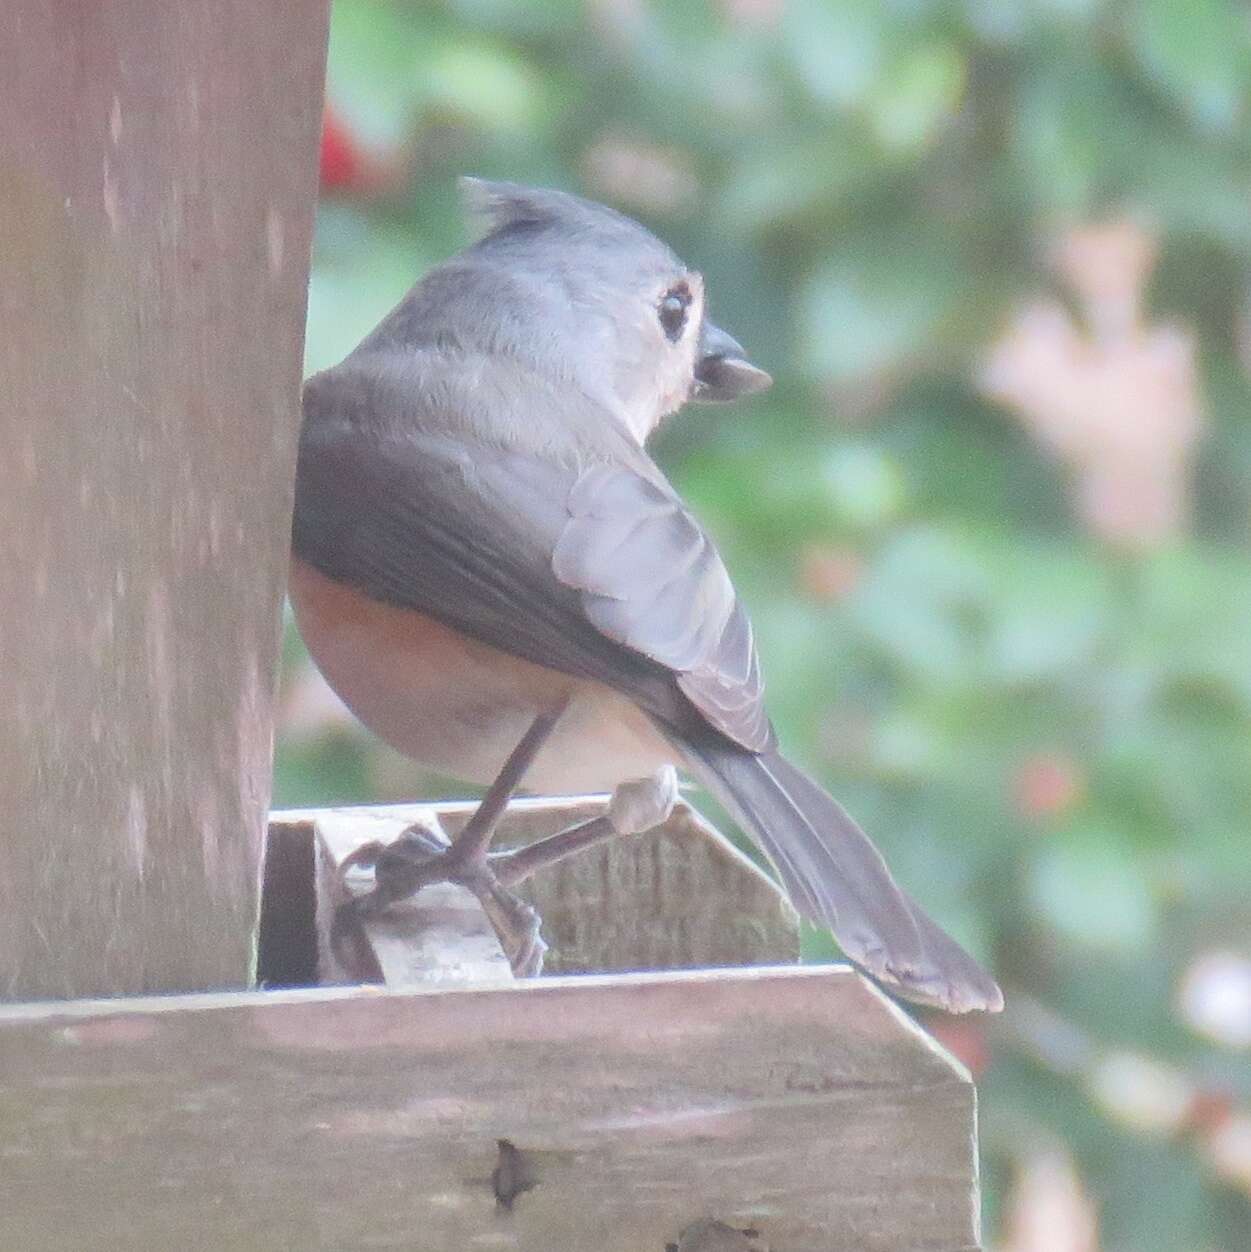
(495, 207)
(492, 206)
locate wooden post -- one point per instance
(157, 184)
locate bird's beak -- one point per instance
(723, 371)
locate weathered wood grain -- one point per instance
(157, 184)
(798, 1102)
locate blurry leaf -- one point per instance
(799, 649)
(780, 492)
(1090, 885)
(1013, 23)
(735, 81)
(960, 458)
(1090, 987)
(1199, 193)
(1081, 131)
(907, 744)
(924, 600)
(865, 486)
(1189, 285)
(369, 70)
(554, 18)
(487, 84)
(782, 182)
(327, 772)
(1200, 50)
(877, 304)
(1051, 615)
(1155, 1199)
(362, 271)
(837, 46)
(1189, 619)
(919, 92)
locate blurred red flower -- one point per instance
(1046, 785)
(343, 163)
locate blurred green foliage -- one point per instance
(1049, 734)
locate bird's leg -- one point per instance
(419, 857)
(635, 807)
(469, 849)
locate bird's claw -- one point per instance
(401, 868)
(516, 923)
(422, 855)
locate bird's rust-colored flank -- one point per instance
(461, 706)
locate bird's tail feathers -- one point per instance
(836, 878)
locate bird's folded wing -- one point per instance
(597, 571)
(652, 580)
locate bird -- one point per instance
(498, 580)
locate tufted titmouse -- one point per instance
(485, 554)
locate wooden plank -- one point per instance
(157, 184)
(796, 1102)
(678, 897)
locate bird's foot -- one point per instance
(422, 855)
(516, 923)
(644, 803)
(413, 859)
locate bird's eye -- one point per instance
(672, 312)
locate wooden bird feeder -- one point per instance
(676, 1082)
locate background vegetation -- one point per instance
(991, 522)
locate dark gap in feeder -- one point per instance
(287, 946)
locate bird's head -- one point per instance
(610, 304)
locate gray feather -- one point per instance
(838, 880)
(652, 580)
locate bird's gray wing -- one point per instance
(651, 579)
(592, 570)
